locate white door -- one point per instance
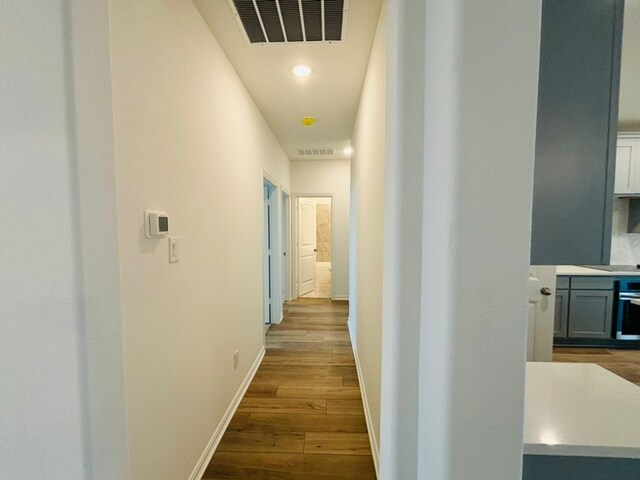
(542, 301)
(306, 246)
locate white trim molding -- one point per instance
(206, 456)
(340, 297)
(375, 450)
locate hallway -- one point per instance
(302, 416)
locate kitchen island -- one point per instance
(581, 422)
(576, 270)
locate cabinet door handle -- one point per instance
(546, 291)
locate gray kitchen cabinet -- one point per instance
(576, 131)
(592, 283)
(590, 314)
(561, 320)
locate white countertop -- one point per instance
(580, 409)
(575, 270)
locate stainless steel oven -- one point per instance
(628, 318)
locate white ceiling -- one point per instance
(332, 92)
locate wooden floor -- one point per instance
(302, 416)
(624, 363)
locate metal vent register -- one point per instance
(308, 152)
(291, 21)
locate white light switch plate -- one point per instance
(173, 250)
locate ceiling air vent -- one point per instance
(318, 152)
(291, 21)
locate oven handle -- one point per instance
(629, 296)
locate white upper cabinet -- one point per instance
(628, 165)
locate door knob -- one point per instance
(546, 291)
(315, 249)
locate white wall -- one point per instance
(42, 393)
(325, 177)
(63, 413)
(95, 160)
(462, 101)
(629, 109)
(367, 225)
(189, 140)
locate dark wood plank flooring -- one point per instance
(624, 363)
(302, 415)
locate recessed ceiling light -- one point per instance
(308, 121)
(301, 70)
(348, 151)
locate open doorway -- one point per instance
(315, 238)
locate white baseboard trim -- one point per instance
(203, 463)
(375, 450)
(340, 297)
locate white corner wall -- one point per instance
(462, 104)
(62, 379)
(96, 177)
(367, 225)
(189, 140)
(629, 108)
(329, 177)
(42, 396)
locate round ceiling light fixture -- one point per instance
(348, 151)
(308, 121)
(301, 71)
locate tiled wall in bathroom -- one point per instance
(323, 232)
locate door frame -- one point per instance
(540, 328)
(287, 243)
(268, 277)
(294, 228)
(276, 246)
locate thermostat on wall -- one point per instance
(156, 224)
